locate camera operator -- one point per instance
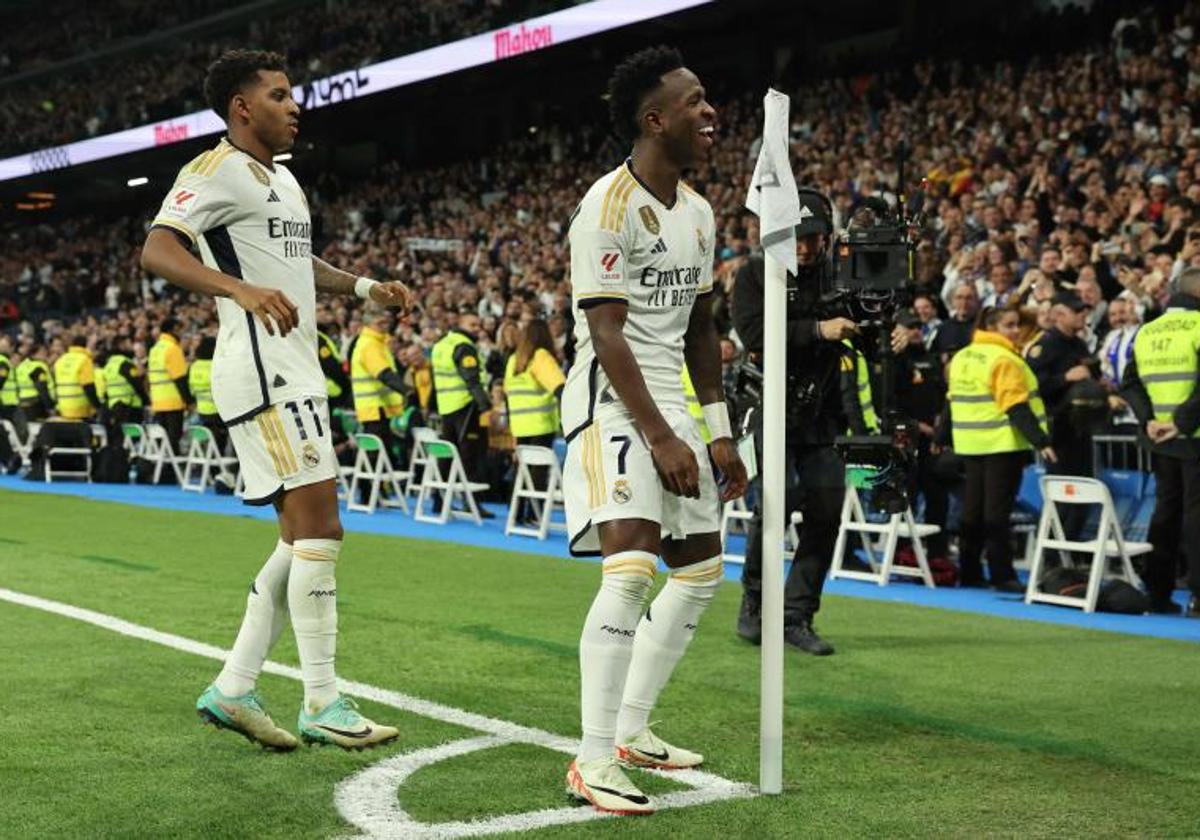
(814, 476)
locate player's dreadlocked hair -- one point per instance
(232, 72)
(635, 78)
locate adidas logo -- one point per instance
(278, 382)
(660, 247)
(606, 397)
(272, 197)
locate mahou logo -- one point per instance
(517, 40)
(165, 133)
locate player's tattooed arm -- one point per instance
(674, 459)
(338, 282)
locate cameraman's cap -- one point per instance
(1071, 301)
(908, 320)
(815, 216)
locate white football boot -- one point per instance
(604, 784)
(648, 750)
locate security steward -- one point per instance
(1060, 361)
(693, 405)
(8, 380)
(169, 392)
(858, 404)
(200, 384)
(461, 398)
(814, 472)
(125, 386)
(75, 378)
(337, 385)
(1162, 386)
(35, 386)
(997, 418)
(377, 384)
(533, 386)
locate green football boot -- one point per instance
(246, 716)
(341, 724)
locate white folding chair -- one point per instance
(736, 514)
(543, 500)
(854, 521)
(202, 458)
(452, 486)
(135, 438)
(373, 469)
(416, 461)
(1108, 542)
(158, 450)
(21, 449)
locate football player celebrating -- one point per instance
(638, 479)
(249, 219)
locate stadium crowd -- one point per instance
(1065, 187)
(112, 93)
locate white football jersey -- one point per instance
(251, 221)
(628, 246)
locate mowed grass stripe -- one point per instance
(926, 721)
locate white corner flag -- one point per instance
(774, 199)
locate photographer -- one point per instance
(814, 476)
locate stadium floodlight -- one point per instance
(137, 182)
(774, 199)
(282, 157)
(485, 48)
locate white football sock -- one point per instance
(312, 596)
(606, 644)
(663, 635)
(266, 615)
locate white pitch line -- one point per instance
(368, 799)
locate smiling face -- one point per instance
(680, 117)
(268, 110)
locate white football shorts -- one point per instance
(609, 474)
(286, 446)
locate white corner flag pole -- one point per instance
(774, 199)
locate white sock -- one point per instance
(606, 645)
(663, 635)
(266, 615)
(312, 596)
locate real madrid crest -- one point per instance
(621, 491)
(259, 173)
(311, 457)
(701, 241)
(649, 219)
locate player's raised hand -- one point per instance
(676, 465)
(270, 306)
(729, 465)
(393, 293)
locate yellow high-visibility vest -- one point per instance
(26, 391)
(372, 397)
(979, 426)
(119, 390)
(69, 374)
(693, 404)
(200, 384)
(1165, 352)
(332, 389)
(8, 393)
(532, 410)
(164, 395)
(451, 389)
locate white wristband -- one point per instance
(363, 286)
(716, 417)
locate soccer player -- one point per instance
(638, 480)
(249, 219)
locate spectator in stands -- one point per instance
(956, 331)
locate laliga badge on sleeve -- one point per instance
(745, 448)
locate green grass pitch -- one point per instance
(925, 723)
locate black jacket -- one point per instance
(814, 411)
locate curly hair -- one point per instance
(633, 80)
(233, 72)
